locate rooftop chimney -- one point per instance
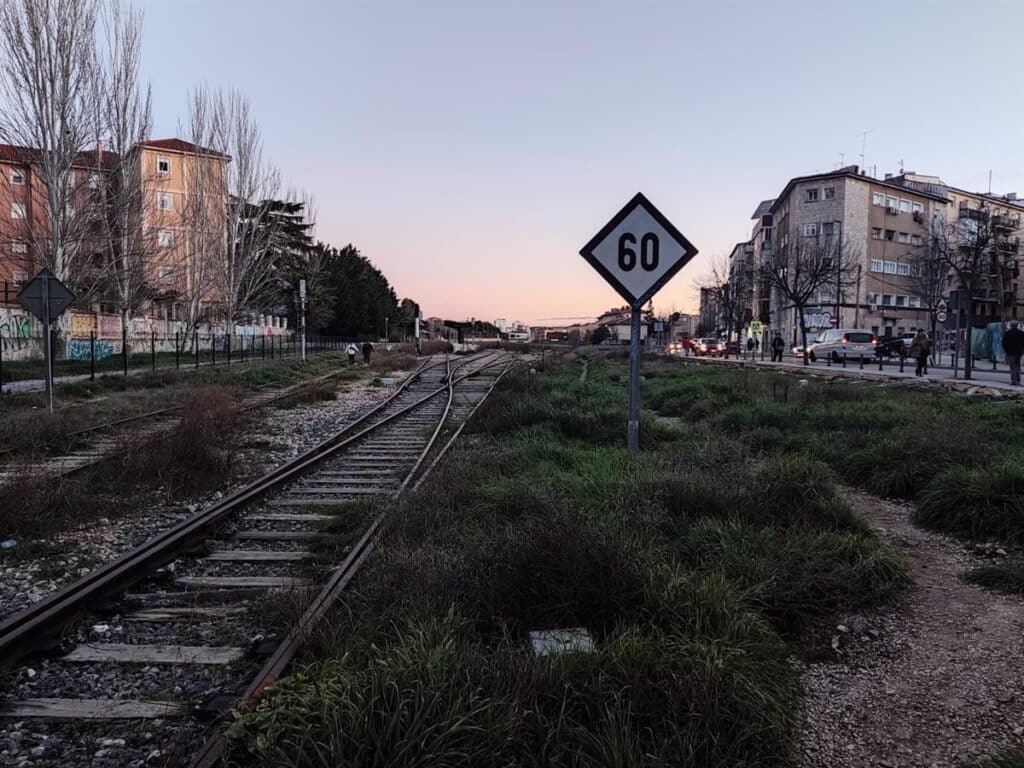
(888, 176)
(1011, 195)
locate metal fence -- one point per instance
(92, 356)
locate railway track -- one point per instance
(174, 635)
(110, 440)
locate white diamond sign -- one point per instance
(638, 251)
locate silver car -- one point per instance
(851, 342)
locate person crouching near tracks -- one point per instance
(920, 348)
(367, 351)
(777, 346)
(1013, 346)
(351, 351)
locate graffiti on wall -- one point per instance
(82, 325)
(79, 349)
(16, 327)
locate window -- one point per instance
(916, 240)
(17, 210)
(887, 300)
(830, 193)
(876, 298)
(827, 228)
(902, 237)
(19, 247)
(913, 301)
(901, 301)
(810, 230)
(892, 202)
(917, 207)
(94, 181)
(878, 198)
(904, 206)
(874, 329)
(17, 177)
(165, 238)
(163, 201)
(812, 195)
(163, 166)
(876, 233)
(890, 267)
(876, 266)
(890, 235)
(902, 269)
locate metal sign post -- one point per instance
(302, 316)
(637, 252)
(47, 298)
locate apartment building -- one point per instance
(24, 212)
(1001, 297)
(883, 222)
(184, 203)
(169, 170)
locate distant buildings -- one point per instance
(888, 224)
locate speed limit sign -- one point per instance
(638, 251)
(941, 316)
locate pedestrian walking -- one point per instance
(367, 351)
(1013, 346)
(750, 346)
(351, 350)
(777, 346)
(920, 347)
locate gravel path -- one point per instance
(289, 430)
(936, 681)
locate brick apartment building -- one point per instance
(167, 170)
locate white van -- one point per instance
(853, 342)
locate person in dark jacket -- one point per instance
(777, 346)
(1013, 346)
(919, 350)
(367, 351)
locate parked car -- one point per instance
(798, 350)
(834, 343)
(707, 347)
(888, 347)
(732, 347)
(907, 339)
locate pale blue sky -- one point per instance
(470, 148)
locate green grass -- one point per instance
(1006, 576)
(959, 459)
(1012, 758)
(694, 568)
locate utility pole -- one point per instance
(302, 316)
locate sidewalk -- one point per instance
(982, 376)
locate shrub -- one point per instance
(976, 503)
(1005, 577)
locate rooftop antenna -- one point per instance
(842, 159)
(990, 182)
(864, 144)
(901, 165)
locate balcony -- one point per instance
(1005, 223)
(1009, 245)
(971, 213)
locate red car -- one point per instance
(710, 347)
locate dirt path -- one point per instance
(934, 682)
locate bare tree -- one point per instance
(929, 280)
(202, 232)
(728, 295)
(129, 244)
(978, 252)
(243, 269)
(805, 270)
(48, 90)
